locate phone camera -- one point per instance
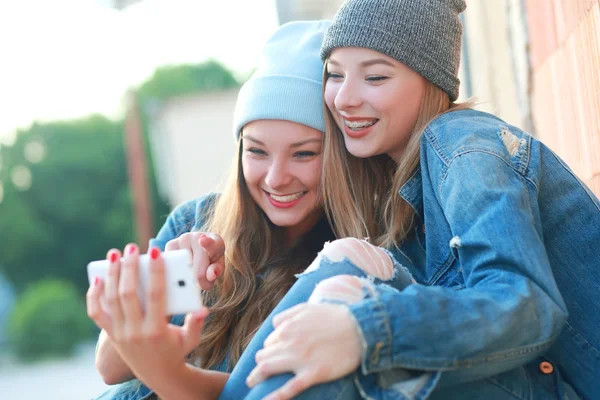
(181, 283)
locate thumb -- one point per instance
(192, 329)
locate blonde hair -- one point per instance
(361, 194)
(259, 269)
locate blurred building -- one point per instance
(192, 143)
(535, 64)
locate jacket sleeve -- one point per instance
(187, 217)
(510, 310)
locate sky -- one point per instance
(62, 59)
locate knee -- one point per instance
(371, 259)
(346, 289)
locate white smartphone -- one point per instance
(181, 287)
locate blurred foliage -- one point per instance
(178, 80)
(65, 200)
(75, 206)
(49, 320)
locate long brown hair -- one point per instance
(361, 194)
(259, 269)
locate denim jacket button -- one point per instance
(546, 368)
(375, 355)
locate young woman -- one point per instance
(269, 216)
(502, 238)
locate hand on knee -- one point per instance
(371, 259)
(346, 289)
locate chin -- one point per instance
(360, 150)
(285, 222)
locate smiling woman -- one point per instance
(271, 222)
(282, 173)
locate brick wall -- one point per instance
(565, 60)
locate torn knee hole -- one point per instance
(346, 289)
(371, 259)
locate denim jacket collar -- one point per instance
(412, 192)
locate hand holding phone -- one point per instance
(182, 292)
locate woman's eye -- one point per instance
(305, 154)
(377, 78)
(256, 151)
(333, 75)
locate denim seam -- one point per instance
(594, 349)
(449, 366)
(366, 366)
(442, 270)
(414, 207)
(507, 390)
(567, 169)
(432, 139)
(445, 174)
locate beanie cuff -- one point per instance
(356, 35)
(280, 97)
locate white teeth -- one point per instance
(358, 124)
(288, 198)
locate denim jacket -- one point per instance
(506, 249)
(188, 217)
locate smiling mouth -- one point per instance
(288, 198)
(360, 124)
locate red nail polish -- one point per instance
(131, 249)
(113, 257)
(96, 281)
(216, 272)
(154, 253)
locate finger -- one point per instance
(128, 287)
(214, 271)
(112, 289)
(291, 388)
(288, 314)
(172, 245)
(200, 263)
(214, 246)
(192, 329)
(267, 368)
(269, 353)
(94, 308)
(156, 303)
(273, 338)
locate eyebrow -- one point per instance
(366, 63)
(293, 145)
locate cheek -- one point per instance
(311, 175)
(251, 172)
(329, 96)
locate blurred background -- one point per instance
(112, 112)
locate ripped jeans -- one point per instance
(332, 278)
(327, 279)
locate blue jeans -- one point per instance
(524, 383)
(300, 292)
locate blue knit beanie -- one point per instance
(287, 83)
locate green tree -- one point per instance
(48, 320)
(66, 199)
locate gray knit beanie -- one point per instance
(423, 34)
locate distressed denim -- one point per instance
(299, 293)
(506, 251)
